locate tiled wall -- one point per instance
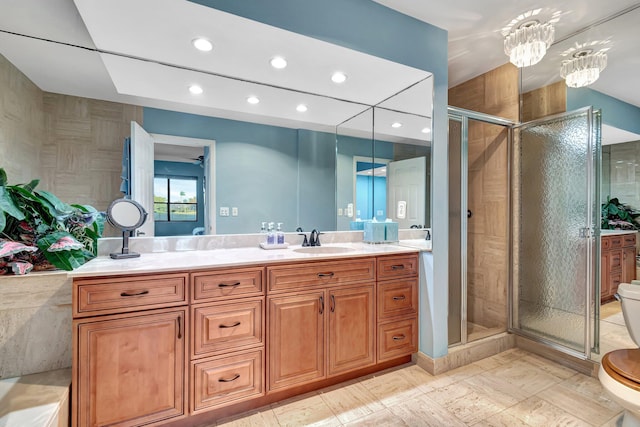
(21, 124)
(624, 173)
(72, 144)
(81, 159)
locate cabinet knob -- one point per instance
(400, 298)
(399, 337)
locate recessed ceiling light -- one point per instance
(278, 62)
(396, 125)
(338, 77)
(301, 108)
(426, 130)
(253, 100)
(195, 89)
(202, 44)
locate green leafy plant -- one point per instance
(618, 216)
(38, 229)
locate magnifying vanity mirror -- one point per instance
(127, 215)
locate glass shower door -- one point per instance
(553, 217)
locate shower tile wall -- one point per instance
(624, 175)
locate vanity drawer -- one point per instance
(227, 283)
(397, 339)
(323, 273)
(629, 240)
(226, 380)
(615, 241)
(615, 259)
(397, 298)
(222, 327)
(392, 267)
(124, 294)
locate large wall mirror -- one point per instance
(304, 151)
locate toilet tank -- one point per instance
(630, 299)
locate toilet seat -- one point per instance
(624, 367)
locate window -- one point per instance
(175, 199)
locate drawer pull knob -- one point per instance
(228, 380)
(228, 285)
(229, 326)
(133, 294)
(397, 267)
(399, 337)
(326, 274)
(400, 298)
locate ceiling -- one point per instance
(476, 41)
(242, 49)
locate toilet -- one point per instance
(620, 369)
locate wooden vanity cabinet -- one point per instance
(617, 263)
(319, 333)
(227, 337)
(129, 368)
(397, 313)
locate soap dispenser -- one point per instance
(271, 236)
(279, 234)
(263, 232)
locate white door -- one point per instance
(142, 174)
(406, 191)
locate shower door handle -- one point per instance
(469, 213)
(585, 232)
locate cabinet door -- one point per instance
(351, 329)
(296, 339)
(605, 283)
(628, 264)
(130, 369)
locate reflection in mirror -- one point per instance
(272, 162)
(392, 180)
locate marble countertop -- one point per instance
(615, 232)
(199, 259)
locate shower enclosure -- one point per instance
(524, 224)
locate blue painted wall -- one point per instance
(614, 112)
(179, 169)
(366, 188)
(369, 27)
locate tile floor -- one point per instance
(513, 388)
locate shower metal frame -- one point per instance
(463, 116)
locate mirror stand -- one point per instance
(125, 248)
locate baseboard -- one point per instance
(466, 354)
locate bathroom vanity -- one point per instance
(618, 261)
(232, 330)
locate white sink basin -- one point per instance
(323, 250)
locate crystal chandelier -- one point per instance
(583, 69)
(528, 43)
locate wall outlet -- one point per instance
(339, 211)
(224, 211)
(234, 211)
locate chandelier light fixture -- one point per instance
(584, 68)
(527, 44)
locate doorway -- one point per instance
(479, 225)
